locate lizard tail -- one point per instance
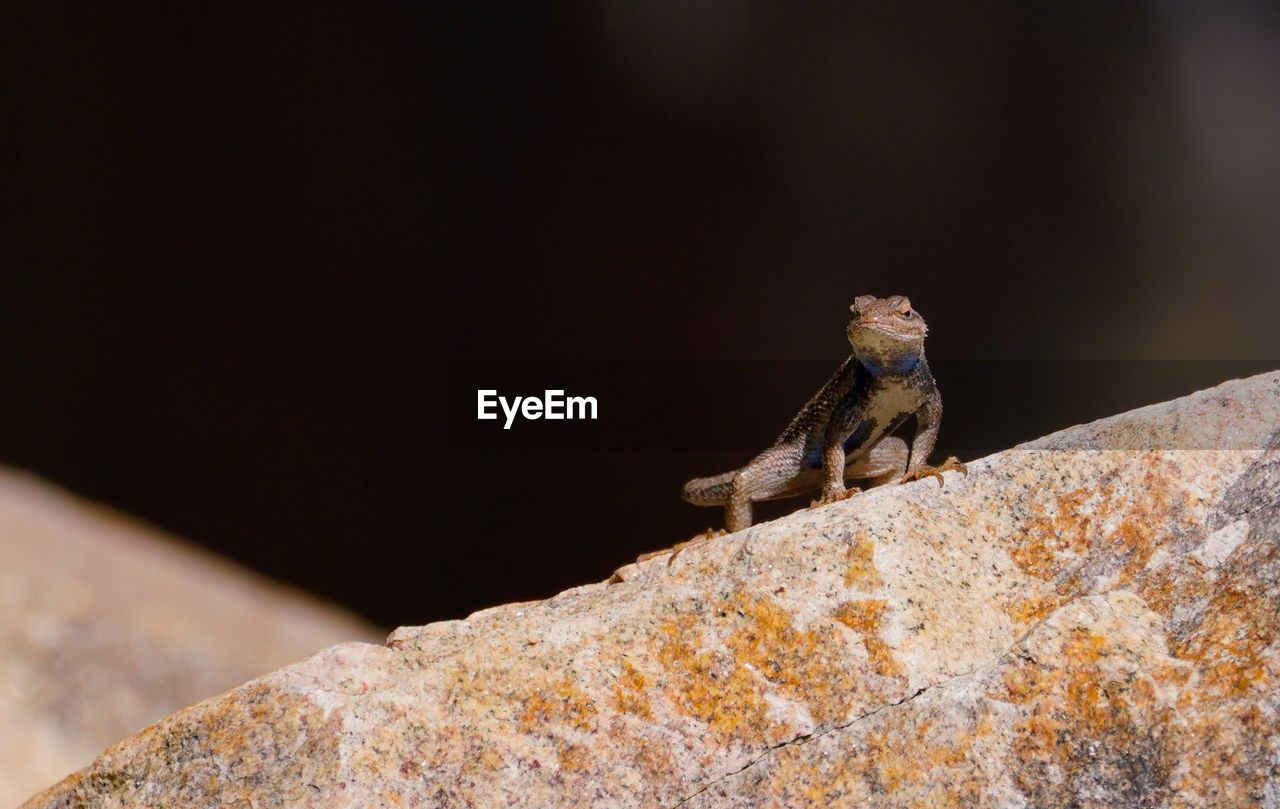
(712, 491)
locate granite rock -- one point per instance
(107, 625)
(1086, 620)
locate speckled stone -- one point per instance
(1087, 620)
(106, 626)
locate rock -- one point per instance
(106, 626)
(1085, 620)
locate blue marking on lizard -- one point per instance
(813, 459)
(898, 365)
(886, 370)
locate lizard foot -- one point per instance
(951, 464)
(835, 498)
(674, 550)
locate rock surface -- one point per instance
(1087, 620)
(106, 626)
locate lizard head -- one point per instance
(886, 331)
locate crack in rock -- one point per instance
(1016, 649)
(808, 737)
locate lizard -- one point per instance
(845, 430)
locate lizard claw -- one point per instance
(835, 498)
(674, 550)
(952, 464)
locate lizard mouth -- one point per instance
(889, 329)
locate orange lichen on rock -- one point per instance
(1228, 642)
(573, 757)
(805, 665)
(915, 756)
(711, 687)
(1087, 718)
(629, 695)
(1106, 524)
(1173, 585)
(864, 617)
(1227, 752)
(905, 760)
(559, 702)
(1238, 623)
(763, 651)
(1030, 610)
(1054, 532)
(862, 566)
(1099, 710)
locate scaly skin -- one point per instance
(845, 430)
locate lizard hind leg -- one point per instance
(886, 462)
(770, 474)
(737, 512)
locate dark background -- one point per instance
(254, 260)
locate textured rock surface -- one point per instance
(105, 627)
(1087, 620)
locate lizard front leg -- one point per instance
(833, 460)
(928, 420)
